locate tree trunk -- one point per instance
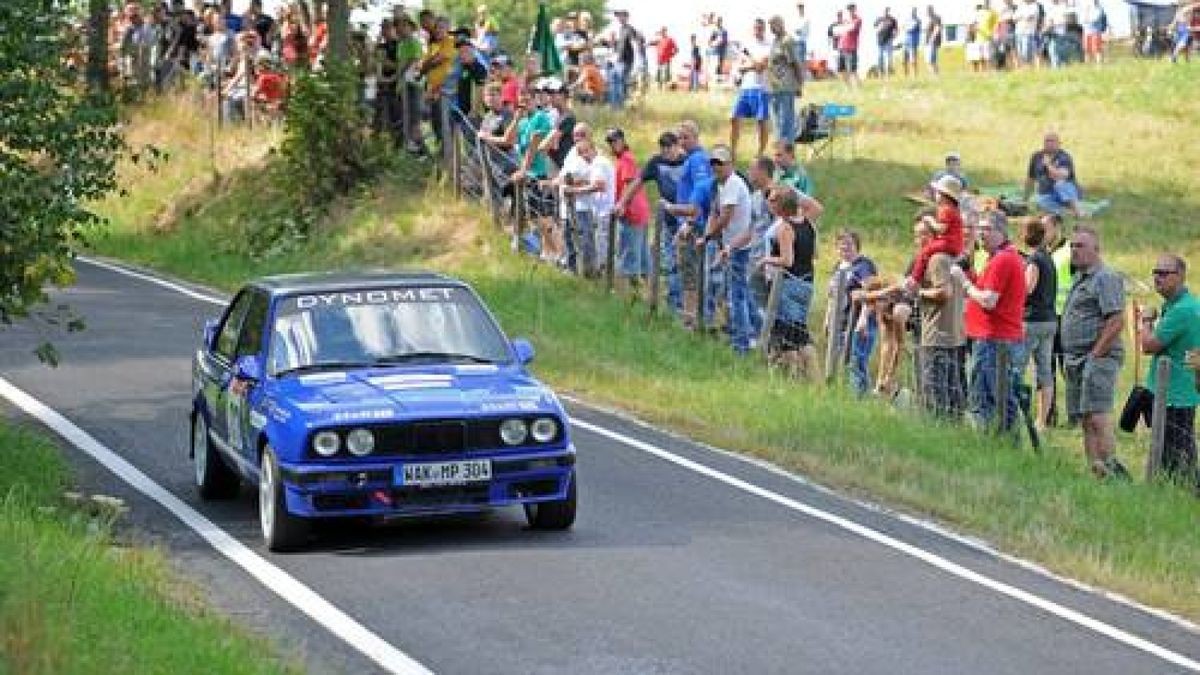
(97, 47)
(337, 16)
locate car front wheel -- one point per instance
(557, 515)
(281, 530)
(214, 478)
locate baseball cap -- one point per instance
(614, 134)
(720, 154)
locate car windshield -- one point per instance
(383, 326)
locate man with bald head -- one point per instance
(1175, 332)
(1092, 321)
(1052, 172)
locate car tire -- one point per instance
(214, 479)
(281, 530)
(556, 515)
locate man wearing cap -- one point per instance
(731, 224)
(633, 254)
(995, 319)
(1052, 172)
(469, 71)
(664, 170)
(952, 167)
(1176, 333)
(752, 100)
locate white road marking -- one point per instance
(283, 584)
(897, 545)
(934, 560)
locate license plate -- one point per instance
(431, 474)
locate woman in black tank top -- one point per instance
(792, 245)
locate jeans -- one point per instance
(1179, 445)
(633, 252)
(1054, 49)
(1027, 44)
(669, 264)
(984, 376)
(783, 112)
(861, 346)
(790, 330)
(616, 88)
(758, 300)
(941, 381)
(802, 53)
(1060, 198)
(885, 59)
(739, 300)
(714, 282)
(587, 262)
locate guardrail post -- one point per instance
(1003, 384)
(576, 236)
(1158, 417)
(656, 261)
(447, 144)
(485, 168)
(520, 212)
(456, 156)
(834, 321)
(610, 262)
(764, 340)
(702, 283)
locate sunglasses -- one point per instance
(1163, 273)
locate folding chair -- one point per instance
(841, 124)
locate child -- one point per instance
(947, 223)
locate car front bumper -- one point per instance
(320, 490)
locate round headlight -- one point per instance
(543, 429)
(513, 432)
(326, 443)
(360, 442)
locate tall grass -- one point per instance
(1124, 124)
(72, 602)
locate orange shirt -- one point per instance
(593, 79)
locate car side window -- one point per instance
(251, 337)
(227, 338)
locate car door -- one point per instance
(238, 404)
(215, 364)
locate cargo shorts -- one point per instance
(1091, 383)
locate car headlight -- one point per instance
(327, 443)
(543, 429)
(360, 442)
(513, 432)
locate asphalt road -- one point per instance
(666, 571)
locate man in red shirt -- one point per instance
(634, 215)
(847, 33)
(995, 319)
(667, 49)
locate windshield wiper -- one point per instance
(323, 366)
(432, 356)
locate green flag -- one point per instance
(542, 44)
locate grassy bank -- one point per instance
(70, 602)
(1139, 540)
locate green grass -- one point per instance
(1126, 125)
(72, 602)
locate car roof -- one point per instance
(343, 280)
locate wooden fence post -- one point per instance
(834, 321)
(764, 341)
(485, 168)
(656, 261)
(456, 163)
(248, 102)
(520, 211)
(1158, 418)
(576, 236)
(447, 145)
(610, 262)
(702, 285)
(1003, 384)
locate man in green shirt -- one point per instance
(787, 168)
(1177, 332)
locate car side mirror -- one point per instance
(524, 351)
(248, 368)
(210, 333)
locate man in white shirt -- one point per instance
(731, 223)
(576, 171)
(598, 189)
(1026, 18)
(803, 26)
(752, 101)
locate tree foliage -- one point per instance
(515, 18)
(59, 145)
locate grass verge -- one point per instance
(1138, 540)
(71, 602)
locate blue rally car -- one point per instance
(374, 394)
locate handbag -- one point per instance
(1140, 402)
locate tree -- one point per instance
(515, 18)
(59, 145)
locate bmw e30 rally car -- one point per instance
(374, 394)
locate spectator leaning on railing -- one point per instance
(664, 170)
(1175, 334)
(940, 299)
(859, 323)
(791, 246)
(731, 224)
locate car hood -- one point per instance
(381, 395)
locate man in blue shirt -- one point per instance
(693, 199)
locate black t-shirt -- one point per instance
(885, 29)
(665, 173)
(566, 139)
(1039, 305)
(263, 25)
(385, 51)
(471, 74)
(626, 47)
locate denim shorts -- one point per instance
(752, 104)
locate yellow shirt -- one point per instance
(436, 76)
(985, 25)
